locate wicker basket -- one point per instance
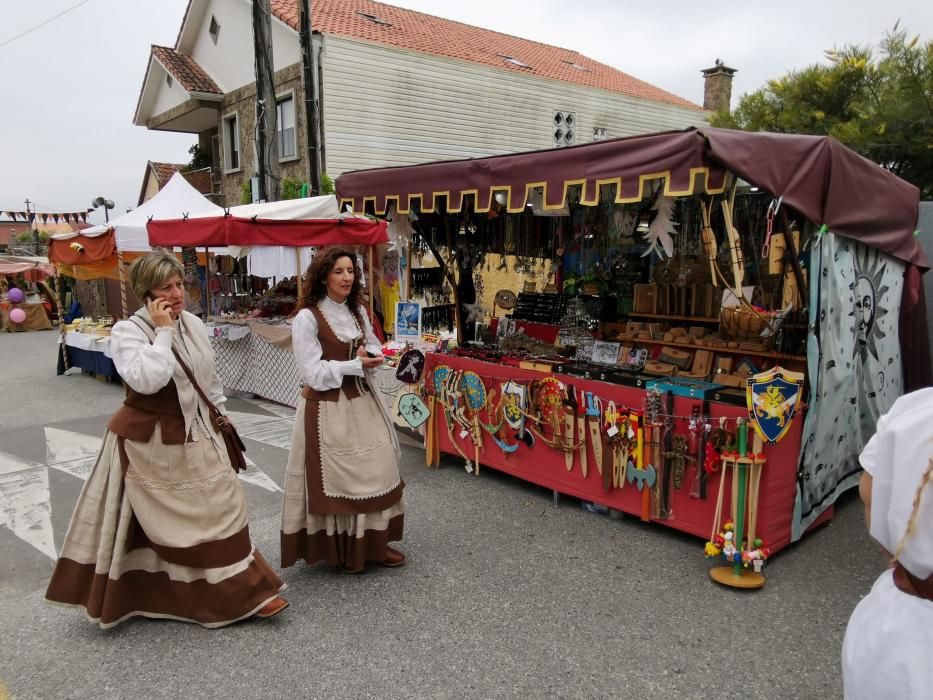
(744, 324)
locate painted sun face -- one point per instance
(865, 305)
(868, 292)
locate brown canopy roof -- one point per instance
(816, 175)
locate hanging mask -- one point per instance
(410, 367)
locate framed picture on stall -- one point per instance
(605, 353)
(407, 321)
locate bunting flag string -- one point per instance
(75, 216)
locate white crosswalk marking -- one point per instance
(25, 506)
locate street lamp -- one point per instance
(105, 203)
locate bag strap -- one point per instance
(150, 329)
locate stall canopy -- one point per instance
(826, 182)
(87, 255)
(314, 221)
(816, 175)
(33, 269)
(276, 236)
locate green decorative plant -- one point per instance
(289, 188)
(246, 192)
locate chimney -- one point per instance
(717, 89)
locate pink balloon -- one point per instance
(17, 315)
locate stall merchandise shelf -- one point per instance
(668, 317)
(711, 348)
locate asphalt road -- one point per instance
(505, 594)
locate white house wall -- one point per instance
(166, 97)
(385, 107)
(230, 62)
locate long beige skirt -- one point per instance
(342, 462)
(168, 540)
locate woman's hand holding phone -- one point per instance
(369, 360)
(160, 311)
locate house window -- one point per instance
(214, 29)
(285, 124)
(168, 79)
(514, 61)
(375, 19)
(575, 65)
(232, 143)
(600, 133)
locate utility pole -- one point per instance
(312, 113)
(267, 149)
(33, 229)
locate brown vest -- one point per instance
(137, 418)
(334, 349)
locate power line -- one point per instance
(42, 24)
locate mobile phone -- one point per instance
(369, 354)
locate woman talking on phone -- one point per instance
(160, 529)
(343, 499)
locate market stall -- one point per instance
(84, 342)
(738, 310)
(254, 352)
(20, 311)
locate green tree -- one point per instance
(199, 158)
(879, 106)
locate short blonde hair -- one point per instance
(151, 271)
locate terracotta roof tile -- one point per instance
(424, 33)
(184, 69)
(163, 171)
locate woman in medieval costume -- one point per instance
(343, 500)
(160, 529)
(888, 647)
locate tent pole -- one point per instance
(122, 283)
(61, 316)
(207, 280)
(298, 272)
(372, 292)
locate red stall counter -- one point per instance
(545, 466)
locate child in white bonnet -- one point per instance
(888, 647)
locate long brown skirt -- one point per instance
(168, 540)
(337, 448)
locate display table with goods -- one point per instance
(738, 310)
(86, 345)
(255, 357)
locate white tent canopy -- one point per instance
(323, 207)
(174, 201)
(279, 261)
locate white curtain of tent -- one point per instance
(282, 261)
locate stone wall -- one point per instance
(243, 101)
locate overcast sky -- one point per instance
(70, 87)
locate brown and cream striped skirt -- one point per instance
(343, 502)
(169, 540)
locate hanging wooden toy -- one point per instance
(474, 392)
(593, 412)
(735, 573)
